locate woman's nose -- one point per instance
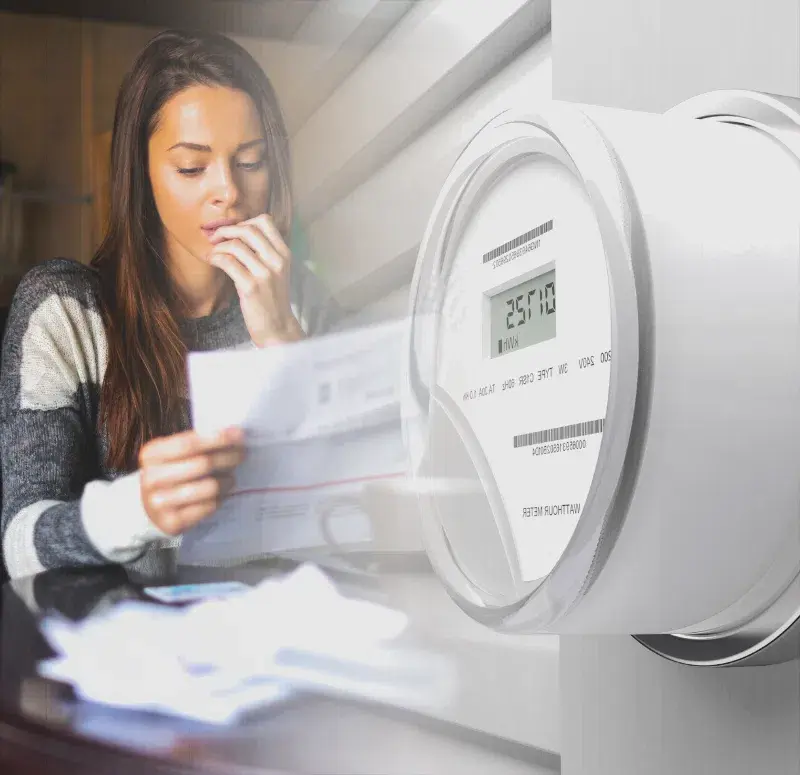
(225, 186)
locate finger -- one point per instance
(187, 444)
(253, 238)
(192, 492)
(246, 283)
(247, 257)
(189, 516)
(181, 446)
(198, 467)
(267, 226)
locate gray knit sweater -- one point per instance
(61, 505)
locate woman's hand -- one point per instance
(183, 477)
(254, 255)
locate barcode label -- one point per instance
(515, 243)
(559, 434)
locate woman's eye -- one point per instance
(190, 171)
(256, 165)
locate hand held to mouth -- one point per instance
(258, 261)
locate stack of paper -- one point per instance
(218, 658)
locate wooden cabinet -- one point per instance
(101, 164)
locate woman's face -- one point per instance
(208, 167)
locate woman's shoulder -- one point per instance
(54, 302)
(63, 278)
(54, 340)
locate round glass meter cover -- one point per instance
(524, 351)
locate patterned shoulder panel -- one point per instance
(55, 339)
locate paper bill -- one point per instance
(321, 418)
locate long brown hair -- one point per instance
(144, 389)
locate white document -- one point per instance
(321, 418)
(217, 659)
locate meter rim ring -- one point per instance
(600, 531)
(442, 560)
(739, 650)
(759, 640)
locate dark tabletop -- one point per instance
(44, 728)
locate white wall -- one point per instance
(626, 711)
(435, 55)
(651, 55)
(370, 160)
(369, 239)
(333, 40)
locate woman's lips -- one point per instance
(210, 228)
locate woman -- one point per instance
(98, 464)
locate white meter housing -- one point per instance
(605, 352)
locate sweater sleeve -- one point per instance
(56, 509)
